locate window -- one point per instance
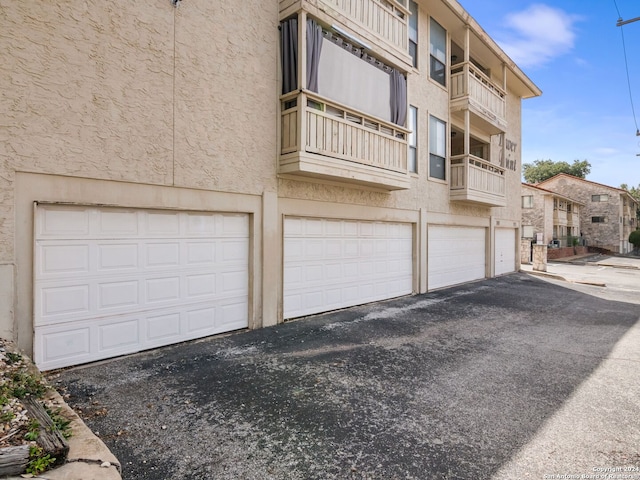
(600, 198)
(413, 32)
(437, 148)
(598, 219)
(527, 231)
(527, 201)
(413, 139)
(438, 50)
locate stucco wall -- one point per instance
(512, 161)
(226, 75)
(139, 92)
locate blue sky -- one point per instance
(573, 51)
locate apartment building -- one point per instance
(608, 215)
(555, 216)
(171, 172)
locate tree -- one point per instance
(634, 238)
(633, 191)
(540, 170)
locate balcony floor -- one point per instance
(334, 170)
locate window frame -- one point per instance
(434, 153)
(434, 61)
(600, 219)
(530, 200)
(412, 160)
(603, 197)
(413, 42)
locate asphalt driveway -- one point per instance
(472, 382)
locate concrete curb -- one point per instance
(564, 279)
(614, 265)
(544, 274)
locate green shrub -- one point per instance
(634, 238)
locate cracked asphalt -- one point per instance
(471, 382)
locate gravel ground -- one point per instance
(15, 369)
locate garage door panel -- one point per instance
(352, 262)
(118, 335)
(118, 222)
(63, 222)
(163, 289)
(162, 224)
(163, 327)
(505, 250)
(71, 343)
(160, 255)
(455, 255)
(118, 294)
(172, 290)
(118, 256)
(64, 300)
(64, 259)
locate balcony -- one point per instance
(477, 181)
(382, 22)
(560, 217)
(474, 91)
(325, 140)
(573, 219)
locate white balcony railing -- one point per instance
(476, 180)
(468, 82)
(386, 19)
(348, 139)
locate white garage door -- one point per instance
(456, 255)
(505, 260)
(330, 264)
(114, 281)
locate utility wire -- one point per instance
(626, 64)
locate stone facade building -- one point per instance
(555, 216)
(608, 214)
(168, 173)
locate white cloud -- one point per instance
(538, 34)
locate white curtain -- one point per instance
(346, 78)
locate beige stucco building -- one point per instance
(168, 173)
(608, 214)
(555, 216)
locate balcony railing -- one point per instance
(383, 20)
(388, 20)
(476, 180)
(324, 139)
(470, 88)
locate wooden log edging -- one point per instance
(49, 438)
(13, 460)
